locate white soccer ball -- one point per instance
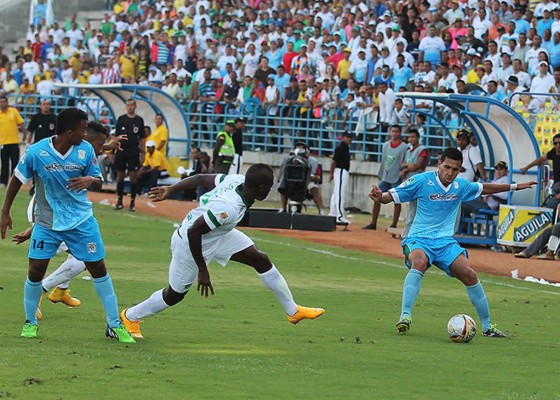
(461, 328)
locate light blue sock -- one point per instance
(105, 291)
(411, 288)
(480, 302)
(31, 295)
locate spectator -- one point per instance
(492, 201)
(392, 158)
(548, 240)
(155, 167)
(224, 150)
(472, 167)
(159, 135)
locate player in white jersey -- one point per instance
(438, 196)
(96, 135)
(208, 233)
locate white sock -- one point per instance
(152, 305)
(274, 280)
(61, 277)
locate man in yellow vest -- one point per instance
(224, 150)
(10, 121)
(155, 166)
(160, 135)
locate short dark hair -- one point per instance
(557, 136)
(414, 131)
(95, 129)
(397, 127)
(131, 99)
(69, 119)
(258, 174)
(452, 153)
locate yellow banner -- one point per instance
(520, 225)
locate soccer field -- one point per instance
(238, 344)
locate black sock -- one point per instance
(133, 190)
(120, 191)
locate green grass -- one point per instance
(238, 344)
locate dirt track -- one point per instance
(378, 242)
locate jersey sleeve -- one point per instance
(19, 119)
(408, 190)
(471, 190)
(219, 179)
(92, 169)
(24, 170)
(142, 130)
(32, 124)
(219, 213)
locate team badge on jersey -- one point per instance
(92, 248)
(81, 154)
(135, 129)
(223, 215)
(51, 127)
(43, 153)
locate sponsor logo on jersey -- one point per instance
(81, 154)
(56, 167)
(443, 197)
(431, 183)
(92, 248)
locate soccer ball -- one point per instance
(461, 328)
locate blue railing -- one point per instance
(271, 133)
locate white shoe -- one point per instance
(342, 220)
(281, 210)
(321, 212)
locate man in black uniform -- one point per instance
(237, 137)
(132, 154)
(42, 124)
(339, 172)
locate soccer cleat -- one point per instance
(119, 206)
(120, 333)
(132, 206)
(133, 327)
(342, 221)
(29, 330)
(38, 312)
(494, 332)
(305, 313)
(63, 296)
(403, 325)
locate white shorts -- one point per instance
(183, 270)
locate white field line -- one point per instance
(394, 265)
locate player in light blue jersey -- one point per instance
(438, 196)
(63, 167)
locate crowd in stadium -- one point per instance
(316, 55)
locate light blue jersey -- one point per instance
(437, 205)
(58, 208)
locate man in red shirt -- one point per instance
(288, 57)
(36, 47)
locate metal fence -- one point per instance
(278, 131)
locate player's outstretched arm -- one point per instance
(493, 188)
(6, 220)
(377, 195)
(161, 193)
(194, 234)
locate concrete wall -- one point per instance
(14, 16)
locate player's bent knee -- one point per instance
(262, 263)
(97, 269)
(171, 297)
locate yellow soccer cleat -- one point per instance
(133, 327)
(39, 313)
(305, 313)
(63, 296)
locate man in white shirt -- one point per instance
(542, 83)
(250, 62)
(387, 98)
(208, 233)
(472, 162)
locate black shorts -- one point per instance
(128, 159)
